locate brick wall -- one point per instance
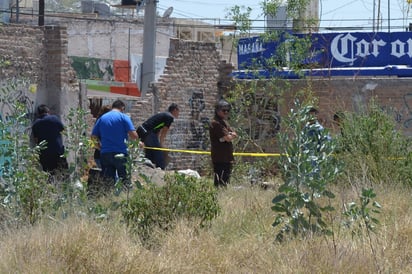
(393, 94)
(22, 47)
(39, 55)
(190, 80)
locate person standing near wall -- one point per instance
(103, 110)
(153, 134)
(112, 131)
(221, 137)
(48, 128)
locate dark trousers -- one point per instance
(156, 156)
(113, 162)
(53, 162)
(222, 173)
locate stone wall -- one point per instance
(39, 55)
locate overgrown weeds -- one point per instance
(160, 207)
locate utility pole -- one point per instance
(389, 15)
(17, 11)
(373, 16)
(41, 13)
(149, 47)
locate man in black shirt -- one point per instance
(48, 128)
(153, 134)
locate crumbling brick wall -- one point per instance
(39, 56)
(191, 80)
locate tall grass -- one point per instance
(241, 240)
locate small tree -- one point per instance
(308, 167)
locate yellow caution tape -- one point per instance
(251, 154)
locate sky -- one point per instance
(335, 15)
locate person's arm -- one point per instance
(229, 137)
(162, 135)
(133, 134)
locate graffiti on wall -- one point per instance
(258, 115)
(196, 103)
(10, 96)
(407, 121)
(403, 115)
(93, 68)
(199, 124)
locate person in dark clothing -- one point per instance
(48, 128)
(153, 134)
(221, 137)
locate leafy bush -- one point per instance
(373, 148)
(308, 167)
(159, 206)
(24, 189)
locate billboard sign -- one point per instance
(331, 50)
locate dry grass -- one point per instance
(241, 240)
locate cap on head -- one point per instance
(223, 104)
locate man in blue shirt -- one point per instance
(48, 128)
(112, 131)
(153, 134)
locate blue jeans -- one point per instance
(113, 162)
(156, 156)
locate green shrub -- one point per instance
(159, 206)
(373, 148)
(308, 167)
(24, 191)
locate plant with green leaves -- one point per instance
(160, 206)
(77, 141)
(308, 168)
(362, 218)
(372, 146)
(25, 190)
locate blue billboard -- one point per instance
(331, 51)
